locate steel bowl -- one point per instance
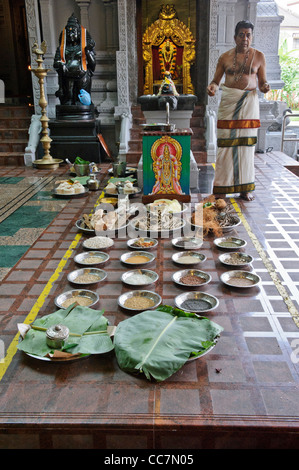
(125, 256)
(204, 277)
(187, 243)
(60, 299)
(229, 228)
(89, 231)
(227, 279)
(78, 272)
(242, 259)
(156, 298)
(198, 257)
(211, 301)
(222, 242)
(151, 274)
(81, 257)
(87, 244)
(131, 242)
(81, 169)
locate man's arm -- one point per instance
(219, 72)
(264, 86)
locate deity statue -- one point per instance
(74, 62)
(167, 56)
(167, 170)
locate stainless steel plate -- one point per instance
(230, 243)
(210, 302)
(131, 242)
(243, 279)
(91, 243)
(229, 228)
(156, 298)
(78, 272)
(84, 229)
(125, 256)
(73, 196)
(151, 274)
(120, 191)
(187, 243)
(100, 255)
(240, 259)
(204, 278)
(60, 299)
(178, 257)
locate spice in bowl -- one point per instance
(139, 302)
(137, 259)
(240, 281)
(79, 299)
(190, 280)
(87, 278)
(195, 305)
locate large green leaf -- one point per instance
(88, 332)
(159, 342)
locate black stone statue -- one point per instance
(74, 62)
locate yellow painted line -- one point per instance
(268, 264)
(12, 348)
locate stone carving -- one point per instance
(74, 62)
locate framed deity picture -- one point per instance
(166, 165)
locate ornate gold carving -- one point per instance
(168, 28)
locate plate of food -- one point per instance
(230, 243)
(196, 302)
(157, 223)
(235, 259)
(137, 258)
(91, 258)
(86, 276)
(69, 188)
(188, 257)
(187, 243)
(171, 206)
(240, 279)
(68, 334)
(191, 278)
(139, 300)
(139, 277)
(83, 297)
(103, 221)
(142, 243)
(125, 187)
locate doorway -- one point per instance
(14, 46)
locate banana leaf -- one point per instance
(159, 342)
(88, 332)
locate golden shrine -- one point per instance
(168, 45)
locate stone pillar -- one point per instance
(267, 29)
(33, 29)
(84, 18)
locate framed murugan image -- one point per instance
(166, 164)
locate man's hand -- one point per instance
(265, 87)
(212, 88)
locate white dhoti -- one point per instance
(237, 124)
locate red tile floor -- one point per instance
(244, 394)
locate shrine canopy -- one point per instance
(168, 45)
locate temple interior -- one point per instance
(108, 137)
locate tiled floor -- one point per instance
(244, 394)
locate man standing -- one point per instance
(238, 116)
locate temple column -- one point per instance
(84, 17)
